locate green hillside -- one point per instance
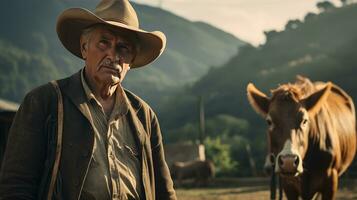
(323, 47)
(31, 54)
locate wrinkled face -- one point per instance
(288, 129)
(107, 55)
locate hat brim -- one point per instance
(71, 23)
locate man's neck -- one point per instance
(104, 93)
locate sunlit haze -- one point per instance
(246, 19)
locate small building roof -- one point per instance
(6, 106)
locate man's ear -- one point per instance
(258, 100)
(314, 102)
(84, 47)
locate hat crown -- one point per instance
(118, 11)
(119, 15)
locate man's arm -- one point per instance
(24, 157)
(163, 182)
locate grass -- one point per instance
(248, 189)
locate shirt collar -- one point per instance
(121, 101)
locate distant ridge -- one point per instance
(322, 47)
(191, 49)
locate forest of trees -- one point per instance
(321, 47)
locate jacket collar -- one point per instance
(74, 90)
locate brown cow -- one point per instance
(199, 170)
(312, 133)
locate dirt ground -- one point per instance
(254, 190)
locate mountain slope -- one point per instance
(323, 48)
(190, 50)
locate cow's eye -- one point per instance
(304, 122)
(269, 122)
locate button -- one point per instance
(111, 155)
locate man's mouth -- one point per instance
(117, 68)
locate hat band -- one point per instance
(115, 23)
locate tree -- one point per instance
(325, 6)
(219, 153)
(310, 16)
(270, 34)
(293, 24)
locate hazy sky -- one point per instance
(247, 19)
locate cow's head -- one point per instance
(288, 115)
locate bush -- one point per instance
(219, 153)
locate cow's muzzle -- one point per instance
(289, 164)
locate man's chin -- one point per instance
(112, 80)
(116, 80)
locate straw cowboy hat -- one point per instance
(118, 14)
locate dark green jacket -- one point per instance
(30, 153)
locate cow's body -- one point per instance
(199, 170)
(312, 133)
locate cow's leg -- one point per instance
(179, 181)
(290, 191)
(311, 182)
(330, 189)
(291, 194)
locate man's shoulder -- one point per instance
(47, 88)
(136, 101)
(69, 79)
(46, 91)
(41, 98)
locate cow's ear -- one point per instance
(258, 100)
(314, 102)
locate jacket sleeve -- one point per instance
(24, 157)
(163, 183)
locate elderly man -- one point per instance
(111, 146)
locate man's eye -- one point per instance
(103, 43)
(123, 48)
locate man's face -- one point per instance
(107, 56)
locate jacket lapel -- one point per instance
(74, 90)
(144, 145)
(138, 129)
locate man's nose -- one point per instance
(114, 56)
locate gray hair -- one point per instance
(87, 32)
